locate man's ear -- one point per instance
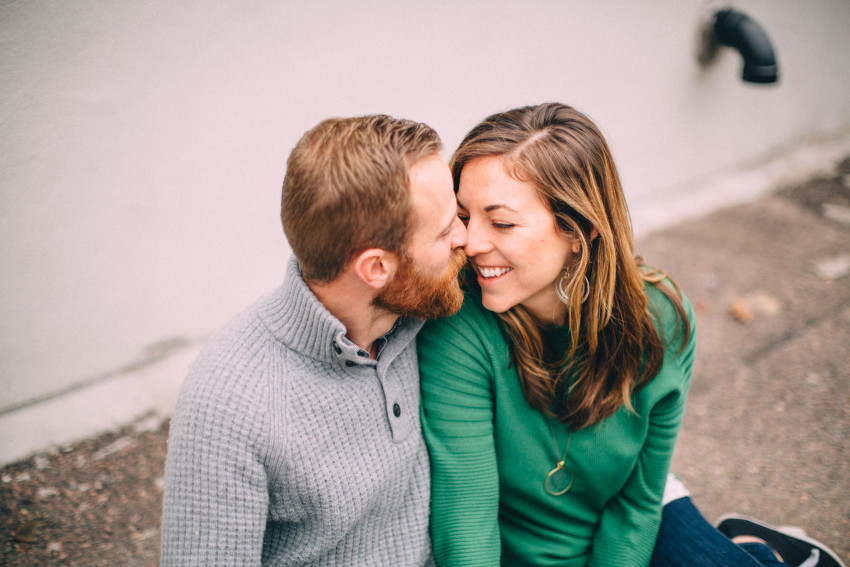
(375, 267)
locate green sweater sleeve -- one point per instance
(457, 420)
(629, 523)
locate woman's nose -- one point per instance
(476, 241)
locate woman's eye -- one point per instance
(503, 225)
(463, 218)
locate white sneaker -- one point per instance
(673, 490)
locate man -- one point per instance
(296, 438)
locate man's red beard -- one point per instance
(413, 294)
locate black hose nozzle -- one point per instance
(739, 31)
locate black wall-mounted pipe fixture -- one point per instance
(739, 31)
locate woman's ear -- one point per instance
(375, 267)
(576, 248)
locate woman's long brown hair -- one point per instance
(615, 348)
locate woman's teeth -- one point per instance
(493, 272)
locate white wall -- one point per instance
(144, 145)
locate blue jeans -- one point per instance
(686, 539)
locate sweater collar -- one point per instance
(299, 320)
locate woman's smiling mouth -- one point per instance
(492, 272)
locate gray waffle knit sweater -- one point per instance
(288, 446)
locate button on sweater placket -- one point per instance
(353, 358)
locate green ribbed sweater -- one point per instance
(490, 454)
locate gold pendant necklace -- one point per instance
(560, 479)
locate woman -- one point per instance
(551, 402)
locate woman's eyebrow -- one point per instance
(490, 208)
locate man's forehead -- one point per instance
(432, 193)
(431, 183)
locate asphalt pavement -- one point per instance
(767, 426)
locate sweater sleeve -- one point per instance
(629, 523)
(216, 499)
(457, 420)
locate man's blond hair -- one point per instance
(346, 189)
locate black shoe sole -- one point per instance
(794, 550)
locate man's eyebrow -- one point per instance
(448, 227)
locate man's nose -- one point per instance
(459, 234)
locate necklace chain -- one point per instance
(559, 466)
